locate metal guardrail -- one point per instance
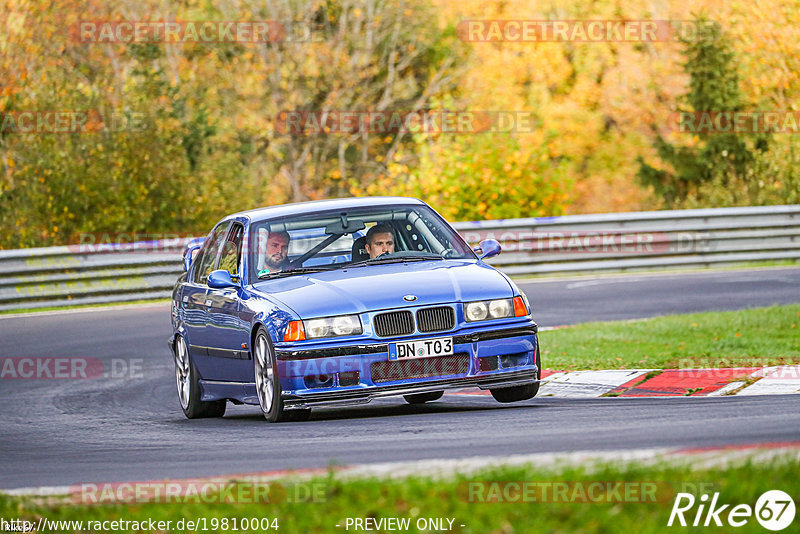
(66, 275)
(642, 240)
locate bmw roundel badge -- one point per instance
(410, 298)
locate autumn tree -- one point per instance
(349, 56)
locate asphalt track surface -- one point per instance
(64, 432)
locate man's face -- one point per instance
(381, 243)
(277, 249)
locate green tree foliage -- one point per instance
(722, 159)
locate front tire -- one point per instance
(188, 383)
(520, 393)
(268, 384)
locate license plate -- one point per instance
(421, 348)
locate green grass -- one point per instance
(418, 497)
(745, 338)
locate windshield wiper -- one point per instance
(392, 259)
(290, 272)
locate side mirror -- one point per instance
(487, 249)
(220, 279)
(191, 250)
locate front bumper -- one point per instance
(500, 357)
(363, 396)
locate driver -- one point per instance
(380, 240)
(276, 251)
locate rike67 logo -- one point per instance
(774, 510)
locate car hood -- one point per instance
(378, 287)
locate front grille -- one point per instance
(436, 319)
(397, 323)
(488, 364)
(349, 378)
(388, 371)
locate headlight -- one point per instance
(343, 325)
(494, 309)
(346, 325)
(476, 311)
(500, 308)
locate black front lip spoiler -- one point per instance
(377, 348)
(363, 396)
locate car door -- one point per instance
(228, 333)
(193, 298)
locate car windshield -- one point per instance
(351, 238)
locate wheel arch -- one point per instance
(179, 330)
(270, 332)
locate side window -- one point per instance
(229, 259)
(208, 255)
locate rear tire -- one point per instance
(188, 382)
(420, 398)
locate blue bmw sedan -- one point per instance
(338, 302)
